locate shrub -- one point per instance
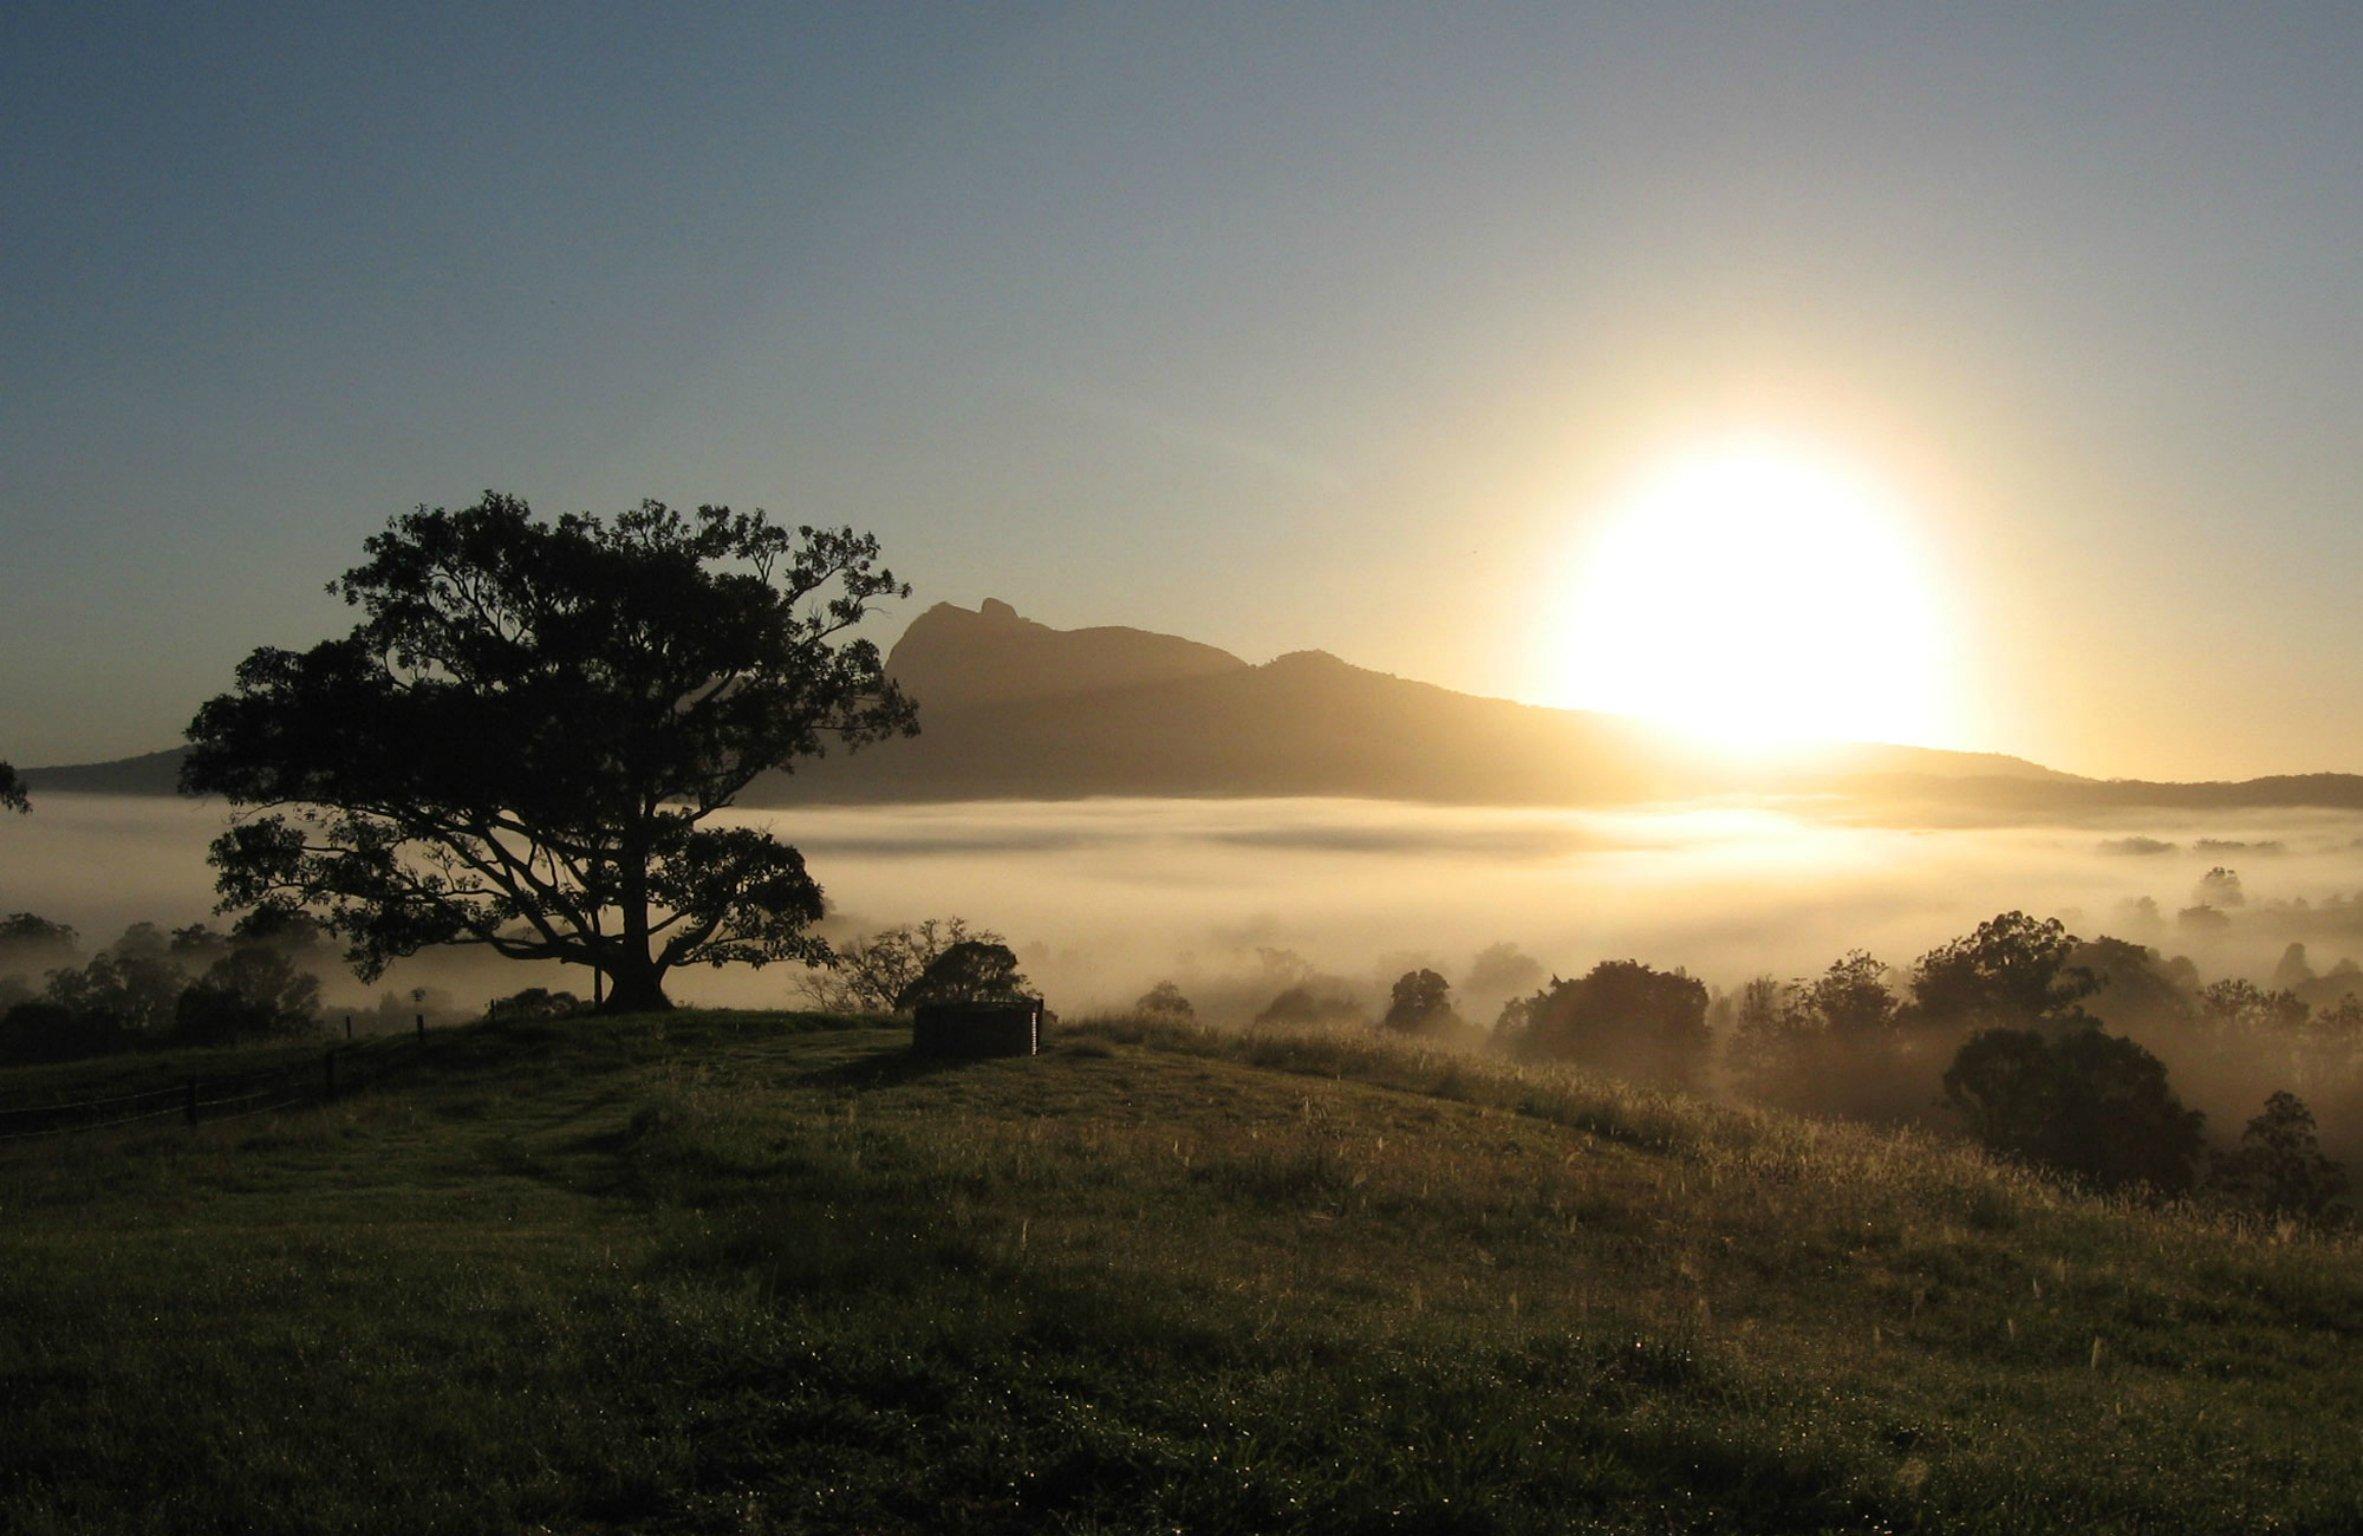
(871, 975)
(533, 1003)
(1165, 1002)
(2089, 1104)
(2278, 1169)
(968, 972)
(248, 994)
(1421, 1004)
(1622, 1017)
(1309, 1005)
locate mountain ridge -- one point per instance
(1013, 709)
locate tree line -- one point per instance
(1995, 1032)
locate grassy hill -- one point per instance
(756, 1272)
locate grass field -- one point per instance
(739, 1272)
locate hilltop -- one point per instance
(1014, 709)
(762, 1272)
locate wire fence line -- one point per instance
(194, 1100)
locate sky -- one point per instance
(1345, 327)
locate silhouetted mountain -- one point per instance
(1009, 708)
(1012, 709)
(993, 656)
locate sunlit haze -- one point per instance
(1754, 594)
(1274, 327)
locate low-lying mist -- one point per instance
(1234, 898)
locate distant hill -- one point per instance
(1013, 709)
(150, 773)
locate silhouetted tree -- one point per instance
(867, 975)
(250, 993)
(1421, 1003)
(1622, 1017)
(2014, 972)
(12, 791)
(521, 744)
(2081, 1102)
(967, 972)
(2278, 1168)
(1165, 1001)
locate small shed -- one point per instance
(978, 1029)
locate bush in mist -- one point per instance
(1421, 1004)
(2278, 1169)
(2202, 919)
(533, 1003)
(43, 1030)
(2219, 888)
(1835, 1044)
(971, 971)
(32, 946)
(871, 975)
(1622, 1017)
(2081, 1102)
(2293, 969)
(1309, 1004)
(2136, 986)
(1501, 970)
(152, 988)
(1164, 1002)
(250, 993)
(2235, 1004)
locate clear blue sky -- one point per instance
(1274, 326)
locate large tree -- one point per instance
(524, 742)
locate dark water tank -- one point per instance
(977, 1029)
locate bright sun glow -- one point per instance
(1759, 597)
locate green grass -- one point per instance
(741, 1272)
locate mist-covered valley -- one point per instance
(1103, 898)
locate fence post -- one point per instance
(422, 1029)
(348, 1027)
(328, 1072)
(190, 1102)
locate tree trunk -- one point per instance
(637, 984)
(638, 988)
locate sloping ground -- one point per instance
(736, 1272)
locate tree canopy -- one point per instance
(1623, 1017)
(2084, 1102)
(1421, 1003)
(971, 971)
(2014, 972)
(523, 742)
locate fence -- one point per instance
(194, 1100)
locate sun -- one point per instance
(1759, 596)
